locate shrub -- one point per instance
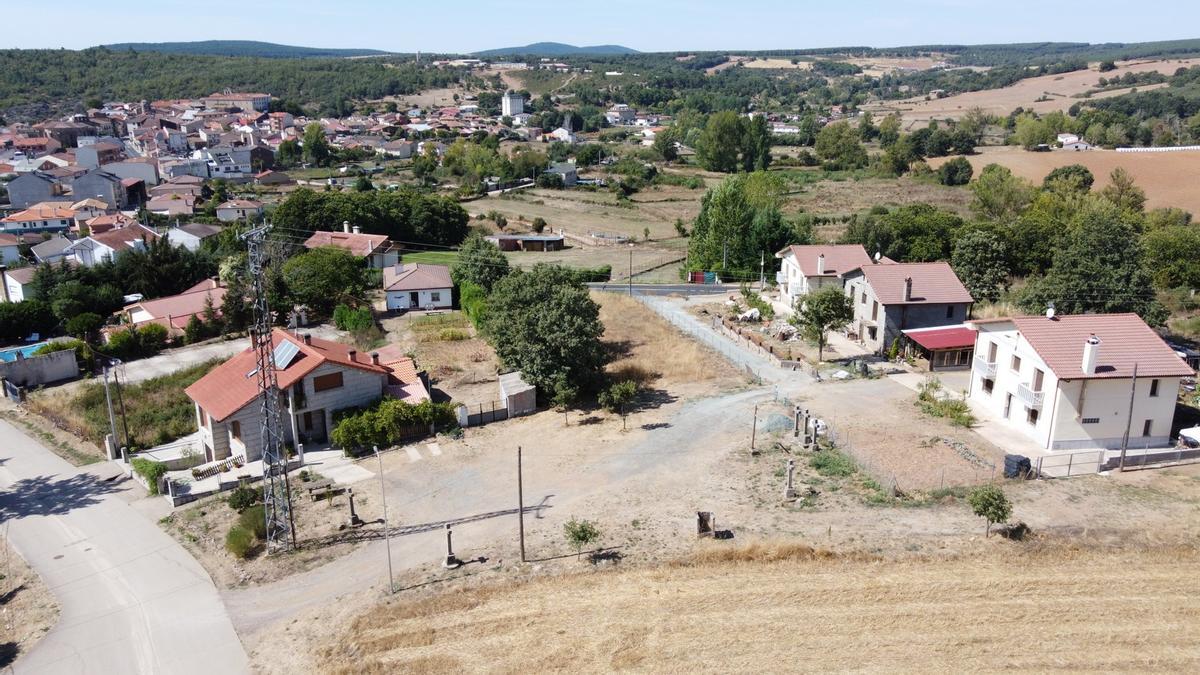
(243, 497)
(389, 422)
(353, 320)
(240, 542)
(580, 533)
(452, 335)
(85, 326)
(254, 519)
(84, 356)
(539, 224)
(957, 171)
(990, 503)
(954, 410)
(150, 470)
(833, 463)
(472, 298)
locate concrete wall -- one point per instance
(401, 299)
(38, 370)
(25, 191)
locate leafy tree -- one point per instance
(955, 172)
(1107, 66)
(85, 326)
(363, 184)
(839, 147)
(889, 130)
(981, 261)
(580, 533)
(406, 215)
(316, 148)
(990, 503)
(913, 233)
(194, 331)
(999, 195)
(1122, 192)
(664, 144)
(538, 225)
(1173, 256)
(480, 262)
(720, 143)
(1076, 177)
(1166, 217)
(19, 320)
(1032, 132)
(589, 154)
(617, 397)
(544, 323)
(867, 130)
(324, 276)
(1098, 269)
(289, 154)
(756, 144)
(900, 155)
(739, 222)
(825, 309)
(565, 396)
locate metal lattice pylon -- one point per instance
(277, 499)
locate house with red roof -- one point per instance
(1077, 382)
(173, 312)
(804, 269)
(417, 286)
(110, 245)
(316, 378)
(891, 298)
(376, 249)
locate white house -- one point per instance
(239, 209)
(110, 245)
(9, 248)
(1075, 382)
(1077, 145)
(190, 236)
(16, 283)
(512, 104)
(417, 286)
(806, 268)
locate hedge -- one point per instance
(389, 422)
(150, 470)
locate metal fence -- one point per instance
(486, 413)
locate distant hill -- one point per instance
(242, 48)
(557, 49)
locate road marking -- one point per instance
(434, 449)
(413, 454)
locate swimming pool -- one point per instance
(26, 351)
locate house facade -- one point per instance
(1077, 382)
(39, 219)
(239, 209)
(418, 286)
(316, 379)
(376, 249)
(891, 298)
(97, 248)
(804, 269)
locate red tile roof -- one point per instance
(416, 277)
(231, 386)
(42, 213)
(839, 258)
(1125, 340)
(361, 245)
(180, 308)
(124, 237)
(932, 283)
(945, 337)
(7, 239)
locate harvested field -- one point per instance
(777, 64)
(1060, 90)
(846, 197)
(1169, 178)
(753, 609)
(582, 211)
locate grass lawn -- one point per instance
(431, 257)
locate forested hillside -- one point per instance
(268, 50)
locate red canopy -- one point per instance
(950, 337)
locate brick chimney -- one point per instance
(374, 358)
(353, 354)
(907, 289)
(307, 339)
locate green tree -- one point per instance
(839, 148)
(617, 398)
(739, 222)
(1073, 177)
(479, 262)
(756, 144)
(889, 130)
(363, 184)
(981, 262)
(664, 144)
(1032, 132)
(825, 309)
(85, 326)
(957, 171)
(580, 533)
(990, 503)
(565, 396)
(867, 130)
(1173, 256)
(900, 155)
(719, 145)
(289, 154)
(1122, 192)
(323, 277)
(544, 323)
(316, 147)
(1166, 217)
(999, 195)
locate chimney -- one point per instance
(878, 257)
(356, 230)
(1050, 311)
(346, 226)
(353, 354)
(907, 289)
(1091, 352)
(374, 358)
(821, 264)
(307, 339)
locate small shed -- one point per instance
(943, 347)
(517, 395)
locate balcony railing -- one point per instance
(1028, 396)
(780, 277)
(984, 367)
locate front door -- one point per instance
(312, 427)
(414, 300)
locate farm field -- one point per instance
(736, 610)
(580, 212)
(1169, 178)
(777, 64)
(1059, 89)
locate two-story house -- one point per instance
(376, 249)
(890, 298)
(1081, 381)
(806, 268)
(239, 209)
(316, 379)
(95, 249)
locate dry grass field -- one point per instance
(787, 607)
(28, 609)
(1169, 178)
(1060, 90)
(581, 211)
(777, 64)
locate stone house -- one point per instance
(889, 299)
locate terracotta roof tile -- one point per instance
(416, 277)
(839, 258)
(932, 283)
(361, 245)
(1124, 340)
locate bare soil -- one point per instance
(28, 609)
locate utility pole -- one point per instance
(520, 504)
(112, 421)
(631, 270)
(762, 275)
(1129, 422)
(754, 427)
(121, 404)
(387, 532)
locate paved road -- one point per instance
(132, 599)
(666, 289)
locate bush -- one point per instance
(389, 422)
(254, 519)
(990, 503)
(84, 356)
(240, 542)
(85, 326)
(580, 533)
(452, 335)
(957, 171)
(149, 470)
(243, 497)
(954, 410)
(353, 320)
(136, 343)
(833, 463)
(539, 224)
(472, 298)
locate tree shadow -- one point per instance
(656, 425)
(48, 496)
(12, 593)
(590, 420)
(8, 653)
(607, 553)
(651, 399)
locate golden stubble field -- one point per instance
(787, 607)
(1169, 178)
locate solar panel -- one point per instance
(285, 351)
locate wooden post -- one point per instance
(754, 427)
(1128, 422)
(520, 505)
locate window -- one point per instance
(1147, 428)
(1154, 387)
(435, 296)
(988, 385)
(326, 382)
(235, 429)
(1016, 364)
(203, 417)
(1091, 420)
(949, 311)
(875, 310)
(1031, 416)
(1039, 379)
(864, 298)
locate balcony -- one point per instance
(1029, 397)
(985, 368)
(781, 277)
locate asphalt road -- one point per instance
(132, 599)
(666, 289)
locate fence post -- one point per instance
(1070, 461)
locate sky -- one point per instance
(464, 26)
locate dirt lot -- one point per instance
(756, 609)
(1060, 90)
(1169, 178)
(581, 211)
(776, 64)
(461, 365)
(27, 608)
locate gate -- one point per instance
(486, 413)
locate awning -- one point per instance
(947, 337)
